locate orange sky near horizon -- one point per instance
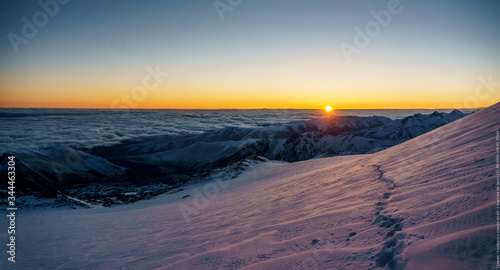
(206, 102)
(222, 95)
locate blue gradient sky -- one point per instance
(271, 54)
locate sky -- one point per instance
(249, 54)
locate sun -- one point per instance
(328, 108)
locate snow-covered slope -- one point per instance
(428, 203)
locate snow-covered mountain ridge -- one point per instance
(176, 159)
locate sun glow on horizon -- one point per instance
(328, 108)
